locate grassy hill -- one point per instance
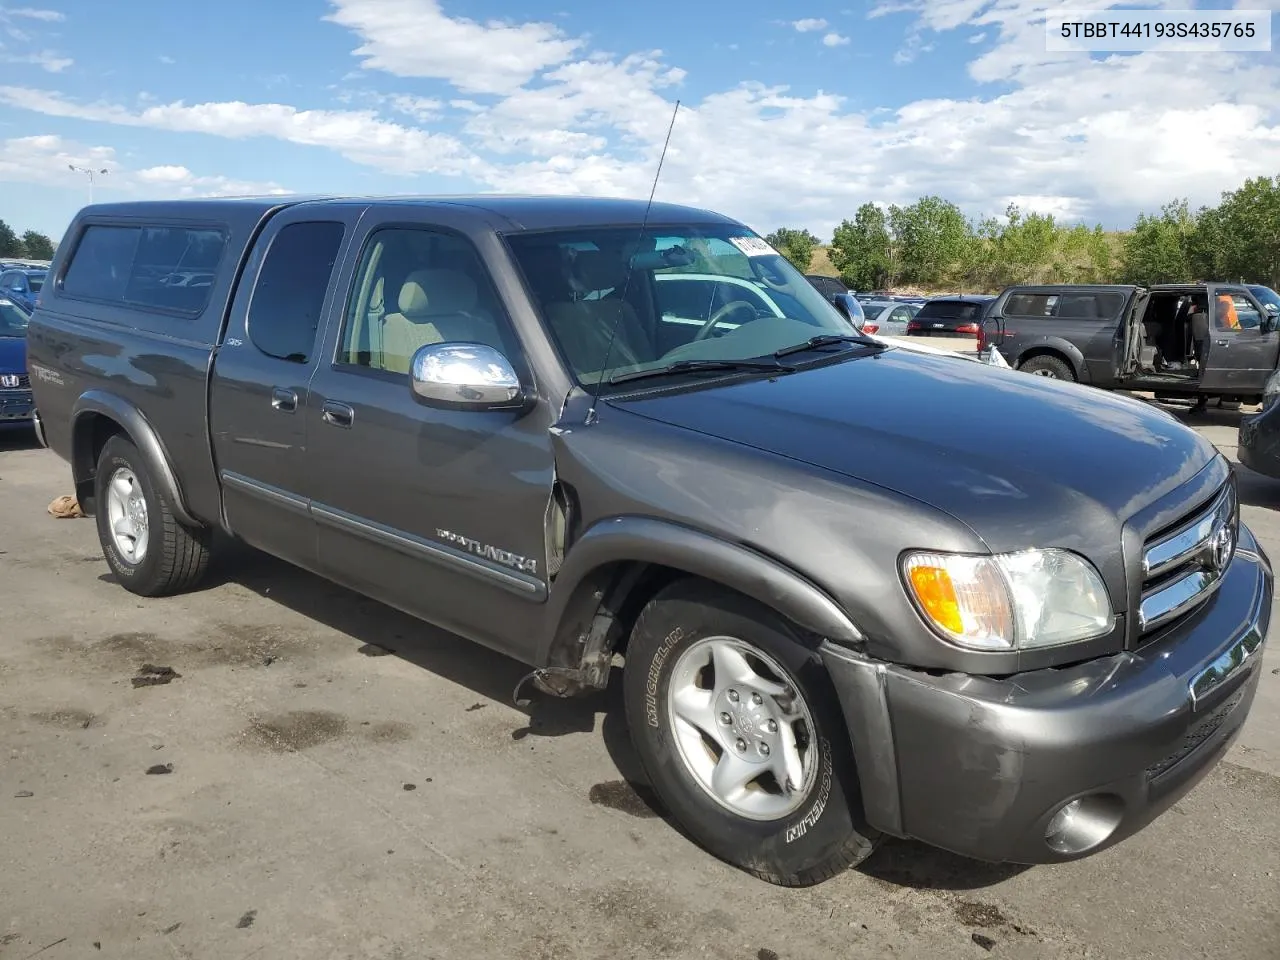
(821, 266)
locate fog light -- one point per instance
(1084, 823)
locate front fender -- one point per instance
(99, 403)
(644, 540)
(1041, 344)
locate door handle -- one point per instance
(339, 414)
(284, 400)
(1221, 343)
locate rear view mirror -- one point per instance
(471, 376)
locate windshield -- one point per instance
(694, 292)
(1266, 295)
(13, 319)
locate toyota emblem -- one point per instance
(1220, 545)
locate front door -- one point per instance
(257, 405)
(1241, 356)
(439, 512)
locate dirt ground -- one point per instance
(274, 767)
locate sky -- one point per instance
(791, 114)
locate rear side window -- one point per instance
(161, 268)
(1078, 305)
(1030, 305)
(284, 313)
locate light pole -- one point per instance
(91, 173)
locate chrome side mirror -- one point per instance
(470, 376)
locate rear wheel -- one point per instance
(739, 730)
(151, 553)
(1048, 365)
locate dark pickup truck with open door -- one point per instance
(1179, 341)
(489, 413)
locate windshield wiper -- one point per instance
(695, 366)
(827, 339)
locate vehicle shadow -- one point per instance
(1257, 490)
(378, 630)
(17, 437)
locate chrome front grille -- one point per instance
(1182, 567)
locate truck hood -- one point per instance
(1021, 460)
(13, 354)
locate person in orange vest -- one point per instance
(1227, 316)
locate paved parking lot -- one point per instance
(297, 792)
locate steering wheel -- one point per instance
(718, 317)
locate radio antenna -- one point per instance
(626, 285)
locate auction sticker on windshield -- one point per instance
(753, 246)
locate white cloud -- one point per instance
(834, 40)
(358, 135)
(31, 13)
(45, 160)
(1062, 133)
(810, 24)
(421, 109)
(414, 38)
(45, 59)
(166, 59)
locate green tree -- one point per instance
(796, 245)
(862, 249)
(1158, 250)
(1245, 231)
(37, 245)
(10, 245)
(932, 237)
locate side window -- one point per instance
(1233, 311)
(1030, 305)
(102, 263)
(161, 267)
(289, 296)
(1078, 306)
(416, 287)
(900, 315)
(8, 281)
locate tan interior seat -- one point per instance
(436, 306)
(584, 327)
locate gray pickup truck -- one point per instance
(1179, 341)
(550, 426)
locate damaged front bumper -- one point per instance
(984, 767)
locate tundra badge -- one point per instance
(505, 557)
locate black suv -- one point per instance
(959, 315)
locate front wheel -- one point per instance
(150, 551)
(740, 733)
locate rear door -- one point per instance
(1241, 356)
(261, 377)
(1126, 345)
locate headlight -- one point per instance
(1011, 601)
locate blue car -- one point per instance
(22, 285)
(15, 385)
